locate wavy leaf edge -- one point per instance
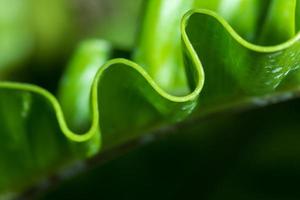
(192, 96)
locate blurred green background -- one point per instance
(37, 37)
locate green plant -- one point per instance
(188, 63)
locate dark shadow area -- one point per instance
(253, 155)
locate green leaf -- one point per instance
(15, 36)
(250, 155)
(103, 104)
(33, 31)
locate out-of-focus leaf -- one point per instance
(51, 22)
(15, 34)
(36, 30)
(116, 21)
(119, 100)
